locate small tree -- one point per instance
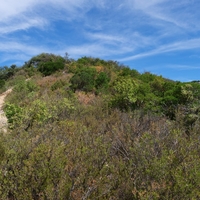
(84, 80)
(124, 93)
(101, 82)
(47, 63)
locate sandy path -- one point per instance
(3, 119)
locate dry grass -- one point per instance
(84, 98)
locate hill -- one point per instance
(95, 129)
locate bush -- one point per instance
(2, 83)
(58, 84)
(13, 114)
(102, 81)
(50, 67)
(46, 63)
(84, 80)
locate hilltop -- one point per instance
(96, 129)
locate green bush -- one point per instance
(84, 80)
(50, 67)
(58, 84)
(124, 93)
(2, 84)
(46, 63)
(102, 81)
(14, 114)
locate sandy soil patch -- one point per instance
(3, 119)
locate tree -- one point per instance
(124, 93)
(2, 83)
(102, 80)
(126, 71)
(84, 80)
(47, 63)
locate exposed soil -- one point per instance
(3, 119)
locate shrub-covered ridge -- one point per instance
(95, 129)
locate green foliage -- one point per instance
(26, 86)
(101, 82)
(157, 86)
(58, 84)
(13, 114)
(87, 79)
(46, 63)
(31, 71)
(70, 158)
(186, 93)
(39, 111)
(2, 151)
(23, 90)
(65, 107)
(2, 84)
(50, 67)
(147, 77)
(126, 71)
(84, 80)
(33, 170)
(6, 72)
(137, 139)
(89, 61)
(124, 93)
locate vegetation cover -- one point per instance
(95, 129)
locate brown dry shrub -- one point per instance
(99, 68)
(84, 98)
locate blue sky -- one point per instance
(158, 36)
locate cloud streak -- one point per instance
(23, 25)
(177, 46)
(169, 12)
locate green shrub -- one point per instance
(84, 80)
(58, 84)
(50, 67)
(13, 114)
(124, 93)
(46, 63)
(2, 84)
(102, 81)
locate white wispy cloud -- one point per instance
(24, 14)
(20, 47)
(182, 67)
(23, 25)
(177, 46)
(106, 38)
(11, 8)
(124, 42)
(94, 50)
(177, 67)
(167, 11)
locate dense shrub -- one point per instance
(102, 80)
(84, 80)
(46, 63)
(2, 83)
(124, 93)
(58, 84)
(139, 140)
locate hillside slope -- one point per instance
(95, 129)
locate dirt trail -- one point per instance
(3, 119)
